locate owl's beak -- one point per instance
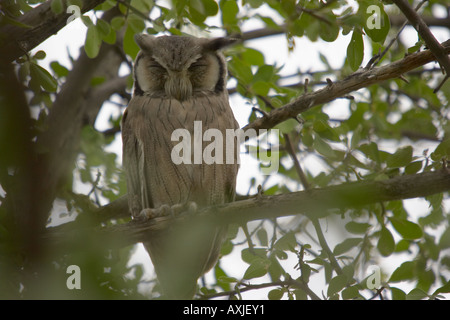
(178, 85)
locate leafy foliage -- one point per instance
(391, 128)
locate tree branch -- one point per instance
(247, 287)
(314, 203)
(18, 174)
(73, 107)
(419, 24)
(360, 79)
(42, 22)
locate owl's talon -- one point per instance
(166, 210)
(189, 207)
(163, 210)
(175, 210)
(150, 213)
(144, 214)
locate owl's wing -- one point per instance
(152, 177)
(133, 162)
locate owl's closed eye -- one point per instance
(179, 68)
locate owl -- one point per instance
(179, 81)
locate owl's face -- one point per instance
(179, 67)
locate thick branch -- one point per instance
(360, 79)
(18, 175)
(73, 106)
(314, 203)
(419, 24)
(42, 23)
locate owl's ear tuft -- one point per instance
(219, 43)
(144, 41)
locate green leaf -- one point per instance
(300, 295)
(262, 237)
(336, 284)
(261, 88)
(425, 279)
(117, 22)
(222, 279)
(323, 148)
(87, 21)
(110, 38)
(402, 157)
(444, 289)
(286, 242)
(253, 57)
(325, 131)
(103, 27)
(377, 24)
(211, 8)
(275, 294)
(413, 167)
(407, 229)
(444, 241)
(287, 126)
(226, 279)
(355, 50)
(416, 294)
(258, 268)
(197, 5)
(441, 151)
(402, 245)
(43, 78)
(415, 47)
(275, 269)
(357, 227)
(404, 272)
(197, 12)
(226, 248)
(264, 73)
(346, 245)
(230, 12)
(57, 6)
(249, 255)
(254, 3)
(397, 294)
(136, 23)
(241, 70)
(350, 293)
(269, 22)
(93, 42)
(40, 55)
(129, 45)
(329, 31)
(386, 243)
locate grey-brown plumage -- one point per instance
(178, 80)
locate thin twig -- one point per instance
(421, 27)
(289, 282)
(315, 221)
(380, 56)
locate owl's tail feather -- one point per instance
(181, 254)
